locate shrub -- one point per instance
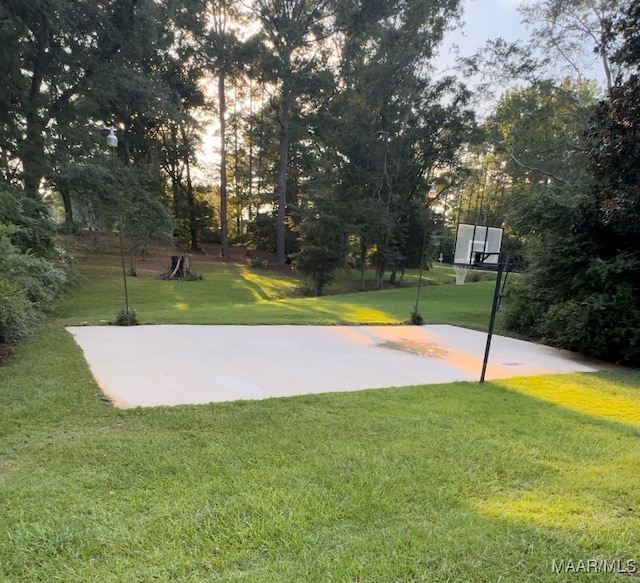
(29, 286)
(594, 311)
(258, 262)
(416, 318)
(18, 315)
(127, 318)
(600, 325)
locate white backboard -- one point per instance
(477, 245)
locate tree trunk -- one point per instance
(32, 156)
(173, 169)
(193, 216)
(379, 275)
(224, 230)
(32, 153)
(281, 254)
(65, 193)
(251, 138)
(363, 262)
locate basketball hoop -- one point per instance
(461, 273)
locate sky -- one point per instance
(484, 20)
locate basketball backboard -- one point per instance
(477, 245)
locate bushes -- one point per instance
(127, 318)
(602, 326)
(34, 230)
(17, 315)
(595, 311)
(30, 281)
(29, 286)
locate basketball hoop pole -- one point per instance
(433, 193)
(497, 296)
(424, 249)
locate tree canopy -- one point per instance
(583, 292)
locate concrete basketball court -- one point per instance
(143, 366)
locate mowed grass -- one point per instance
(238, 294)
(458, 482)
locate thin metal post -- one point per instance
(112, 143)
(124, 270)
(424, 249)
(433, 193)
(497, 296)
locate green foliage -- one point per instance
(34, 230)
(145, 219)
(258, 262)
(17, 316)
(416, 318)
(592, 310)
(29, 286)
(323, 241)
(127, 318)
(538, 133)
(389, 127)
(30, 278)
(196, 219)
(261, 234)
(584, 289)
(604, 325)
(119, 196)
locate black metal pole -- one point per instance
(424, 249)
(121, 237)
(497, 295)
(124, 270)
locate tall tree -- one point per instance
(294, 55)
(575, 31)
(177, 130)
(538, 131)
(223, 49)
(390, 125)
(538, 155)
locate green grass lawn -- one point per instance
(237, 294)
(458, 482)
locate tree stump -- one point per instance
(180, 268)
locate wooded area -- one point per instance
(331, 124)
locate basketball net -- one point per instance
(461, 273)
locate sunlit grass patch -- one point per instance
(267, 286)
(356, 313)
(585, 518)
(591, 498)
(605, 395)
(345, 312)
